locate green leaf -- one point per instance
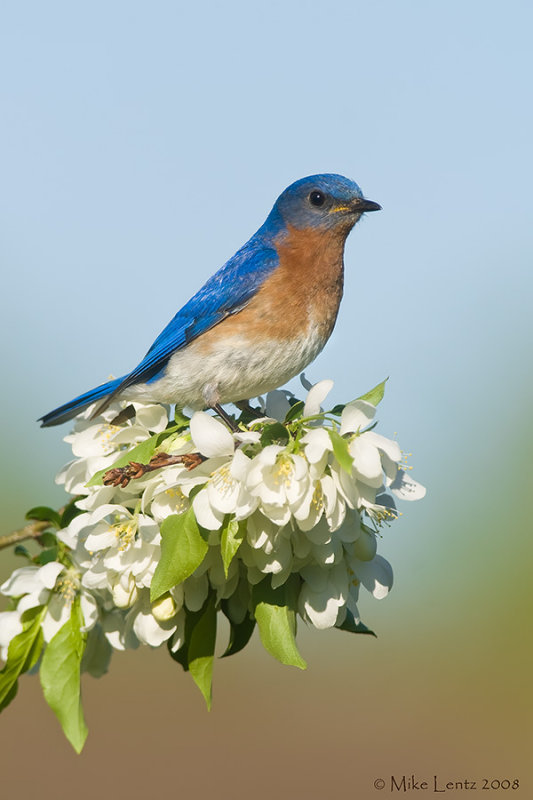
(23, 653)
(276, 621)
(182, 550)
(45, 556)
(275, 433)
(374, 396)
(60, 677)
(230, 541)
(295, 411)
(71, 511)
(21, 550)
(340, 451)
(249, 415)
(240, 634)
(44, 514)
(182, 655)
(47, 539)
(201, 651)
(181, 420)
(97, 653)
(352, 626)
(197, 651)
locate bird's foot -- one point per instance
(121, 476)
(230, 422)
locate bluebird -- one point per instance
(258, 321)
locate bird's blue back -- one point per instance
(229, 290)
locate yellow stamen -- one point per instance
(125, 533)
(68, 586)
(284, 471)
(318, 498)
(222, 480)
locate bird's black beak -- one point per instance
(365, 205)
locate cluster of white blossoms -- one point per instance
(293, 501)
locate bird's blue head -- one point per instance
(322, 202)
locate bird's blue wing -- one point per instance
(226, 292)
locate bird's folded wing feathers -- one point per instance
(225, 293)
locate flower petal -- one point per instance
(57, 613)
(356, 416)
(149, 631)
(277, 404)
(48, 574)
(316, 396)
(406, 488)
(366, 461)
(21, 581)
(321, 609)
(205, 514)
(376, 575)
(317, 442)
(10, 626)
(153, 418)
(89, 610)
(388, 446)
(210, 436)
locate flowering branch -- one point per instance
(273, 520)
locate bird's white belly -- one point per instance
(234, 369)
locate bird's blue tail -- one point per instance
(69, 410)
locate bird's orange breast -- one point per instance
(303, 292)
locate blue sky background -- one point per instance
(142, 144)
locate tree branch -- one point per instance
(121, 476)
(30, 531)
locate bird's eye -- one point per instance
(317, 198)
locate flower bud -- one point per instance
(164, 608)
(125, 597)
(365, 547)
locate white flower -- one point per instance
(225, 493)
(322, 498)
(32, 580)
(154, 628)
(169, 500)
(111, 542)
(39, 586)
(375, 575)
(100, 436)
(125, 591)
(323, 594)
(97, 443)
(280, 481)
